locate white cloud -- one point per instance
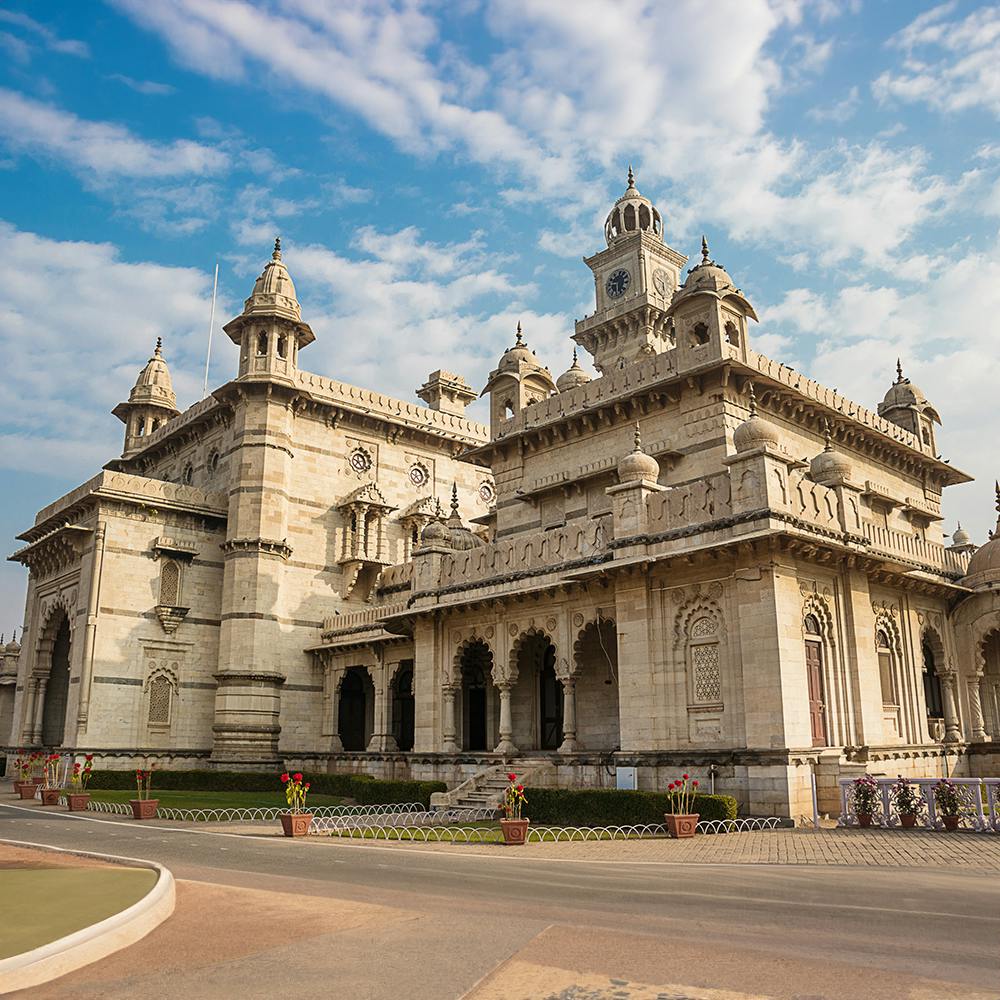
(950, 65)
(839, 111)
(98, 149)
(64, 46)
(148, 87)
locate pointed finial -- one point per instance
(159, 344)
(704, 250)
(454, 499)
(519, 341)
(276, 254)
(574, 357)
(997, 485)
(753, 399)
(438, 509)
(899, 371)
(631, 177)
(827, 434)
(638, 438)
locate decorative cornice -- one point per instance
(267, 546)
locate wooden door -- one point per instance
(814, 673)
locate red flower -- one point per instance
(671, 785)
(88, 756)
(512, 777)
(685, 777)
(520, 788)
(695, 783)
(284, 778)
(297, 776)
(307, 786)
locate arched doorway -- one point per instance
(933, 697)
(598, 725)
(476, 667)
(814, 679)
(403, 706)
(356, 716)
(57, 688)
(536, 701)
(990, 684)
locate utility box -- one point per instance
(625, 778)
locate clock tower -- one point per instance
(635, 279)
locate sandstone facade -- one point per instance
(699, 560)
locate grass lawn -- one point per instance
(212, 800)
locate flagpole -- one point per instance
(211, 327)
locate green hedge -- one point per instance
(363, 788)
(611, 807)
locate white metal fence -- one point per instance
(980, 804)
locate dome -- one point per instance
(573, 377)
(459, 536)
(637, 465)
(273, 292)
(13, 646)
(755, 432)
(435, 532)
(513, 356)
(961, 536)
(708, 274)
(984, 566)
(153, 384)
(632, 213)
(829, 466)
(903, 394)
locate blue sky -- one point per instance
(437, 170)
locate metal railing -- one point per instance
(980, 804)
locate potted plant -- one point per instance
(682, 821)
(50, 790)
(513, 825)
(38, 767)
(907, 802)
(867, 799)
(24, 786)
(948, 803)
(295, 822)
(143, 807)
(78, 798)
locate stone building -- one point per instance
(700, 559)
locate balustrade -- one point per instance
(980, 803)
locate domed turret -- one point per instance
(755, 432)
(435, 533)
(151, 403)
(960, 539)
(637, 465)
(710, 277)
(829, 467)
(632, 213)
(274, 292)
(573, 377)
(13, 647)
(459, 536)
(984, 566)
(518, 380)
(906, 405)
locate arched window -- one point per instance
(932, 685)
(282, 345)
(261, 344)
(886, 669)
(629, 218)
(732, 334)
(704, 665)
(170, 584)
(160, 697)
(699, 335)
(815, 680)
(508, 409)
(213, 461)
(188, 477)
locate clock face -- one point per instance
(661, 281)
(617, 283)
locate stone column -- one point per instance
(382, 739)
(952, 728)
(331, 710)
(36, 729)
(506, 745)
(90, 635)
(569, 744)
(976, 711)
(28, 724)
(449, 744)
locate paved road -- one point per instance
(359, 920)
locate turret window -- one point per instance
(732, 334)
(188, 474)
(699, 335)
(261, 344)
(282, 345)
(213, 462)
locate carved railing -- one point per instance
(360, 619)
(979, 803)
(682, 506)
(814, 502)
(912, 548)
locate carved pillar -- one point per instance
(329, 727)
(36, 729)
(569, 743)
(506, 745)
(952, 728)
(90, 635)
(448, 743)
(976, 711)
(30, 695)
(382, 739)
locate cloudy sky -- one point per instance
(437, 170)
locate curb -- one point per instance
(90, 944)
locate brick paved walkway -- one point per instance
(880, 848)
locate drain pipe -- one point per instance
(812, 781)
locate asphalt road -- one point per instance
(449, 919)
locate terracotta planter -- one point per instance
(681, 825)
(950, 823)
(864, 819)
(50, 796)
(296, 824)
(38, 781)
(907, 820)
(515, 831)
(77, 801)
(26, 789)
(143, 808)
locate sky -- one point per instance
(437, 170)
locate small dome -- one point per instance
(637, 465)
(632, 213)
(434, 532)
(273, 292)
(573, 377)
(154, 384)
(513, 356)
(708, 274)
(961, 536)
(829, 467)
(903, 394)
(984, 566)
(459, 536)
(13, 646)
(755, 432)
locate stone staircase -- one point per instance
(483, 790)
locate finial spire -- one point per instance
(899, 371)
(454, 499)
(574, 356)
(827, 435)
(753, 399)
(631, 177)
(997, 486)
(276, 254)
(519, 341)
(438, 509)
(704, 249)
(638, 438)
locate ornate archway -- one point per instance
(53, 730)
(356, 712)
(593, 688)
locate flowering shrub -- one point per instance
(682, 793)
(947, 799)
(513, 799)
(81, 774)
(867, 797)
(52, 770)
(24, 764)
(905, 797)
(295, 791)
(143, 781)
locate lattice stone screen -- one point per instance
(160, 691)
(170, 583)
(707, 679)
